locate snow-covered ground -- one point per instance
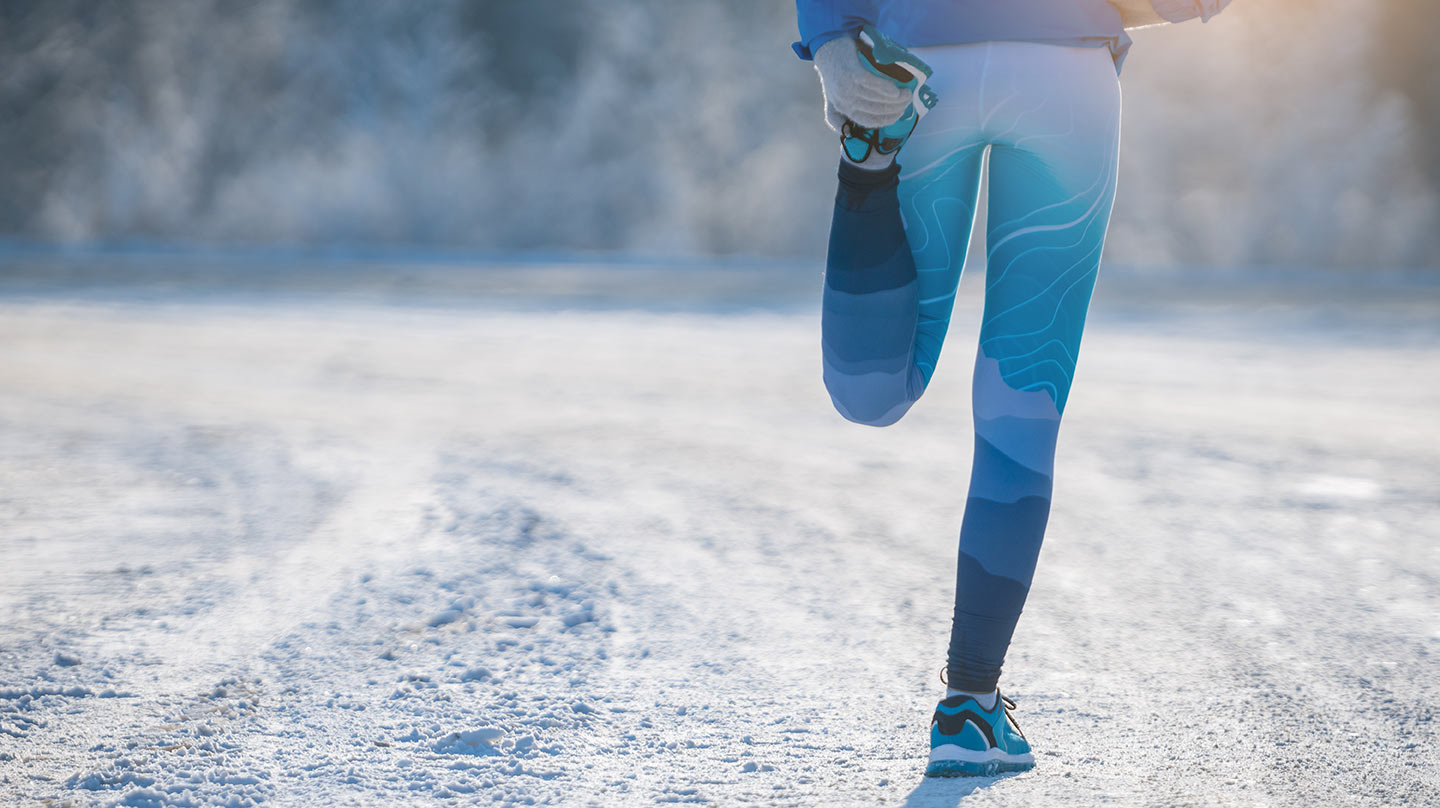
(292, 549)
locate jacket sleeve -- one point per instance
(1139, 13)
(1182, 10)
(823, 20)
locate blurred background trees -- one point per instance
(1297, 132)
(1405, 58)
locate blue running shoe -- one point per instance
(966, 740)
(881, 56)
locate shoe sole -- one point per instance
(983, 764)
(955, 768)
(889, 54)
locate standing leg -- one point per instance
(1052, 182)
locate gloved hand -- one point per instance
(853, 92)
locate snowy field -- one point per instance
(292, 546)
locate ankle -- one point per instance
(986, 700)
(874, 161)
(867, 175)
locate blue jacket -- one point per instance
(915, 23)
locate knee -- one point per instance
(870, 400)
(868, 418)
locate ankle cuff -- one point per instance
(867, 191)
(867, 178)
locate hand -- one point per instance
(852, 91)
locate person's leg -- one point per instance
(890, 278)
(939, 189)
(1054, 128)
(867, 320)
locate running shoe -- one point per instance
(967, 740)
(881, 56)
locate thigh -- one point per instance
(1052, 182)
(939, 186)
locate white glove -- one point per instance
(853, 92)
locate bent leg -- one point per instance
(890, 279)
(868, 308)
(939, 189)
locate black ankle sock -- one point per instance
(851, 174)
(863, 189)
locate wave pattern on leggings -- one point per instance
(1045, 119)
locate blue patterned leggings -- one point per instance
(1048, 117)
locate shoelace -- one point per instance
(1009, 707)
(870, 137)
(1004, 699)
